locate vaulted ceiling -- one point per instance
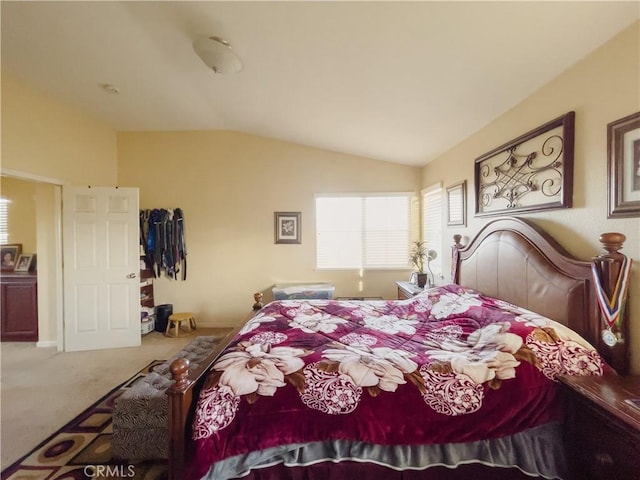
(397, 81)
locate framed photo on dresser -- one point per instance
(9, 256)
(24, 263)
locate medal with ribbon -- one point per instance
(612, 307)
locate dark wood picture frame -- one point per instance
(623, 167)
(542, 173)
(287, 227)
(457, 204)
(14, 250)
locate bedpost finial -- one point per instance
(612, 241)
(613, 271)
(457, 238)
(258, 299)
(179, 369)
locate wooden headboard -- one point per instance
(516, 261)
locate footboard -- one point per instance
(186, 386)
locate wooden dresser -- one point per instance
(19, 307)
(602, 429)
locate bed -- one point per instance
(457, 381)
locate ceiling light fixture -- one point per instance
(217, 54)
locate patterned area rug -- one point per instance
(82, 448)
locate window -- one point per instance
(4, 231)
(432, 225)
(363, 231)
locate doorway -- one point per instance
(38, 207)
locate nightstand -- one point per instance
(602, 430)
(407, 290)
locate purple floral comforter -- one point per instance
(447, 366)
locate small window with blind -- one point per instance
(363, 231)
(4, 231)
(432, 225)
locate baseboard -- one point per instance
(214, 325)
(47, 344)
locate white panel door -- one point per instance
(101, 262)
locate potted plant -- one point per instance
(417, 256)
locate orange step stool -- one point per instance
(176, 321)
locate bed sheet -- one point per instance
(448, 377)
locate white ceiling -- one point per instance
(397, 81)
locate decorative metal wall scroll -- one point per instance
(623, 139)
(530, 173)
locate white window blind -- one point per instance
(4, 229)
(363, 231)
(432, 225)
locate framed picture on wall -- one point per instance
(457, 204)
(530, 173)
(9, 256)
(287, 227)
(623, 167)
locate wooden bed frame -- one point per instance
(511, 259)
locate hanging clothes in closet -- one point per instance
(162, 236)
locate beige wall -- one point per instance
(21, 212)
(48, 215)
(228, 185)
(604, 87)
(44, 139)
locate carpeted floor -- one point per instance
(82, 448)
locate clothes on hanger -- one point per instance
(162, 235)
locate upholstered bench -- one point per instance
(140, 414)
